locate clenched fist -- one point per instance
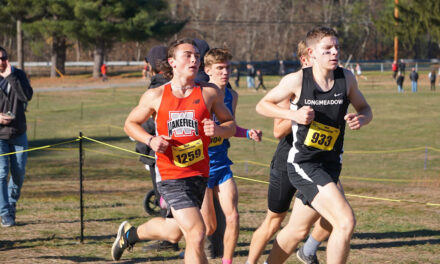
(255, 134)
(160, 143)
(209, 127)
(306, 114)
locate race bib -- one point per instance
(188, 154)
(215, 141)
(321, 136)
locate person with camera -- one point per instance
(15, 93)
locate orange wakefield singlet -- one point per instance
(181, 119)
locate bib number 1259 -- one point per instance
(188, 154)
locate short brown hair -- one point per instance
(165, 67)
(217, 55)
(318, 33)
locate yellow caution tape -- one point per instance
(115, 147)
(38, 148)
(354, 195)
(109, 154)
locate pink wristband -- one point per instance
(240, 132)
(226, 261)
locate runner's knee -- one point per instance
(196, 236)
(232, 218)
(347, 224)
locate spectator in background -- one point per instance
(359, 72)
(237, 77)
(402, 67)
(104, 72)
(203, 47)
(400, 79)
(414, 77)
(282, 70)
(250, 76)
(350, 68)
(145, 69)
(15, 94)
(432, 77)
(394, 68)
(260, 80)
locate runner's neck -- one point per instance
(323, 77)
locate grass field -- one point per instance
(391, 171)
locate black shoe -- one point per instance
(161, 245)
(121, 242)
(306, 259)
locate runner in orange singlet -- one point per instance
(182, 110)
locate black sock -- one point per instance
(132, 236)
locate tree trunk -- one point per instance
(20, 55)
(58, 56)
(78, 50)
(98, 58)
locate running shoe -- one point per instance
(306, 259)
(121, 242)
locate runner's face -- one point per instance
(186, 60)
(326, 52)
(219, 73)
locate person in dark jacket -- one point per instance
(14, 96)
(203, 47)
(260, 80)
(414, 77)
(402, 66)
(399, 81)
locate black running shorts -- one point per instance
(307, 176)
(183, 193)
(280, 192)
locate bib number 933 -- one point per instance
(321, 136)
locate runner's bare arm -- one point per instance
(254, 134)
(147, 107)
(226, 129)
(282, 127)
(289, 86)
(364, 114)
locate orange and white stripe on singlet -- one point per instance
(181, 119)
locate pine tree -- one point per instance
(55, 26)
(102, 23)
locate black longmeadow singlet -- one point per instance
(323, 139)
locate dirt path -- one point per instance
(78, 84)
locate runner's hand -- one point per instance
(306, 114)
(210, 127)
(160, 143)
(255, 134)
(353, 121)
